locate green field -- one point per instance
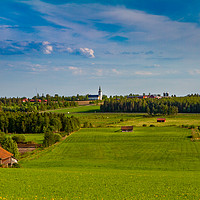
(36, 137)
(103, 163)
(79, 109)
(98, 119)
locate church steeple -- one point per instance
(100, 93)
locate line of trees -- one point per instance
(18, 122)
(37, 106)
(154, 106)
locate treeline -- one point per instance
(11, 122)
(36, 106)
(154, 106)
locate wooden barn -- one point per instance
(127, 128)
(161, 120)
(6, 158)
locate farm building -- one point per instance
(161, 120)
(6, 158)
(127, 128)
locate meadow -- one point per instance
(35, 137)
(103, 163)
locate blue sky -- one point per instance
(126, 46)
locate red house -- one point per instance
(6, 158)
(161, 120)
(24, 100)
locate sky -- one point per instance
(71, 47)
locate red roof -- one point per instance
(4, 154)
(161, 120)
(127, 128)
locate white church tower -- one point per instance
(100, 93)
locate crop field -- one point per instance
(104, 163)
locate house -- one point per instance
(161, 120)
(96, 97)
(127, 128)
(37, 100)
(24, 100)
(6, 158)
(32, 100)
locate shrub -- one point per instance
(191, 127)
(19, 138)
(152, 125)
(16, 165)
(87, 125)
(57, 137)
(48, 139)
(144, 125)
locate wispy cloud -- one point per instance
(144, 73)
(115, 71)
(194, 72)
(76, 70)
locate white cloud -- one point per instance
(47, 49)
(82, 51)
(87, 52)
(144, 73)
(76, 70)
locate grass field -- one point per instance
(98, 163)
(79, 109)
(92, 114)
(103, 163)
(36, 137)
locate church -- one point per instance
(96, 97)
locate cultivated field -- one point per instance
(103, 163)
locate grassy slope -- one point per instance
(99, 163)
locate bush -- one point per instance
(48, 139)
(57, 137)
(191, 127)
(87, 125)
(152, 125)
(144, 125)
(16, 165)
(19, 138)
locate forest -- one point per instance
(19, 122)
(165, 106)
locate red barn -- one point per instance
(127, 128)
(161, 120)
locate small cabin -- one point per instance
(161, 120)
(127, 128)
(6, 158)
